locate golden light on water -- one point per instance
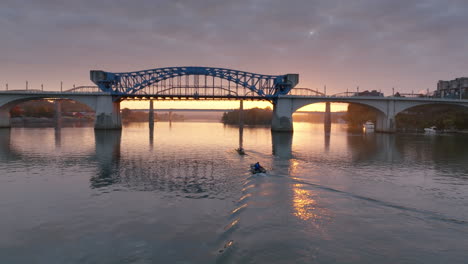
(304, 206)
(294, 165)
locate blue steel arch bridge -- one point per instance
(194, 82)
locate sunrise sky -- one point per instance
(373, 44)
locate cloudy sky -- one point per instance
(374, 44)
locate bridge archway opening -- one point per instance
(45, 107)
(354, 114)
(314, 112)
(442, 116)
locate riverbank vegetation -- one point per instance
(253, 116)
(443, 117)
(46, 109)
(357, 115)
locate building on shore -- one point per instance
(457, 88)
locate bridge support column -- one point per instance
(107, 113)
(385, 124)
(5, 118)
(151, 114)
(58, 113)
(327, 120)
(282, 115)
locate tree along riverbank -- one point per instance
(253, 116)
(43, 111)
(258, 116)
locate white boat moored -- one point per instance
(430, 130)
(368, 126)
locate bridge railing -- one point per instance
(79, 89)
(305, 92)
(345, 94)
(22, 91)
(84, 89)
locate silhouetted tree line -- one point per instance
(134, 116)
(253, 116)
(45, 108)
(419, 117)
(441, 116)
(357, 115)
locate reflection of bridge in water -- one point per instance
(207, 83)
(196, 177)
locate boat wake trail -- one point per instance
(429, 214)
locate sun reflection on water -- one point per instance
(305, 207)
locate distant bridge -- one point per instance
(203, 110)
(195, 83)
(185, 110)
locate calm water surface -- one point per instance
(183, 195)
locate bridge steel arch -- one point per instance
(107, 111)
(129, 83)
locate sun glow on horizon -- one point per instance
(210, 104)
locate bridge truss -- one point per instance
(201, 82)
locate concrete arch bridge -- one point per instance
(386, 107)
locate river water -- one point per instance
(181, 194)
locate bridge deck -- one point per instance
(138, 97)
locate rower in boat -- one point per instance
(257, 168)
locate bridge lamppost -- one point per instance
(393, 91)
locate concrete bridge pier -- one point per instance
(5, 118)
(151, 114)
(327, 124)
(385, 124)
(107, 113)
(58, 113)
(282, 115)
